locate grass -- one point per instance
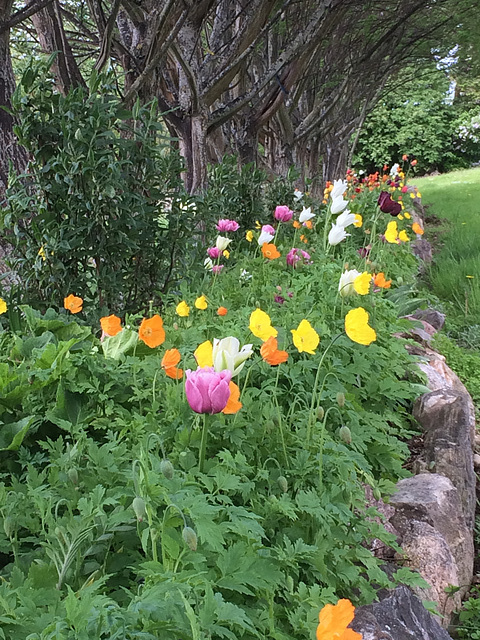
(455, 273)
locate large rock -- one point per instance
(439, 375)
(432, 316)
(446, 418)
(432, 499)
(399, 616)
(426, 550)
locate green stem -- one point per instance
(203, 444)
(322, 440)
(315, 385)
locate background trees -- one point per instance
(274, 82)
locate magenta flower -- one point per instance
(279, 299)
(387, 205)
(227, 225)
(283, 214)
(267, 228)
(296, 255)
(214, 253)
(364, 252)
(217, 268)
(207, 391)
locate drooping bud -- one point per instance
(345, 434)
(377, 494)
(166, 467)
(320, 413)
(73, 475)
(282, 483)
(341, 399)
(190, 538)
(138, 505)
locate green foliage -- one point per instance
(100, 211)
(116, 523)
(413, 118)
(468, 626)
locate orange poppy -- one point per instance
(308, 224)
(111, 325)
(334, 620)
(271, 354)
(416, 228)
(379, 281)
(174, 372)
(151, 331)
(222, 311)
(270, 251)
(304, 239)
(169, 361)
(233, 404)
(73, 303)
(296, 224)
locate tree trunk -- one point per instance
(51, 34)
(10, 151)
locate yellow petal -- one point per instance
(357, 327)
(391, 233)
(201, 303)
(203, 354)
(3, 306)
(305, 338)
(182, 309)
(261, 325)
(361, 284)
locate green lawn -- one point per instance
(455, 273)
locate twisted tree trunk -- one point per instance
(10, 151)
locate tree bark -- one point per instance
(10, 150)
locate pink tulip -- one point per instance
(227, 225)
(207, 391)
(283, 214)
(295, 255)
(217, 268)
(267, 228)
(214, 253)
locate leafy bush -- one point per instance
(100, 209)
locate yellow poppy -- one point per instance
(357, 327)
(305, 338)
(201, 303)
(361, 284)
(261, 325)
(391, 233)
(182, 309)
(249, 236)
(3, 306)
(203, 354)
(403, 236)
(358, 221)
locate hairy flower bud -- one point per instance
(190, 538)
(166, 467)
(73, 475)
(282, 483)
(320, 413)
(138, 505)
(345, 434)
(341, 399)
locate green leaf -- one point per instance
(117, 346)
(13, 433)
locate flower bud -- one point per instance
(282, 483)
(166, 467)
(320, 413)
(276, 421)
(138, 505)
(345, 434)
(72, 473)
(341, 399)
(190, 538)
(377, 494)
